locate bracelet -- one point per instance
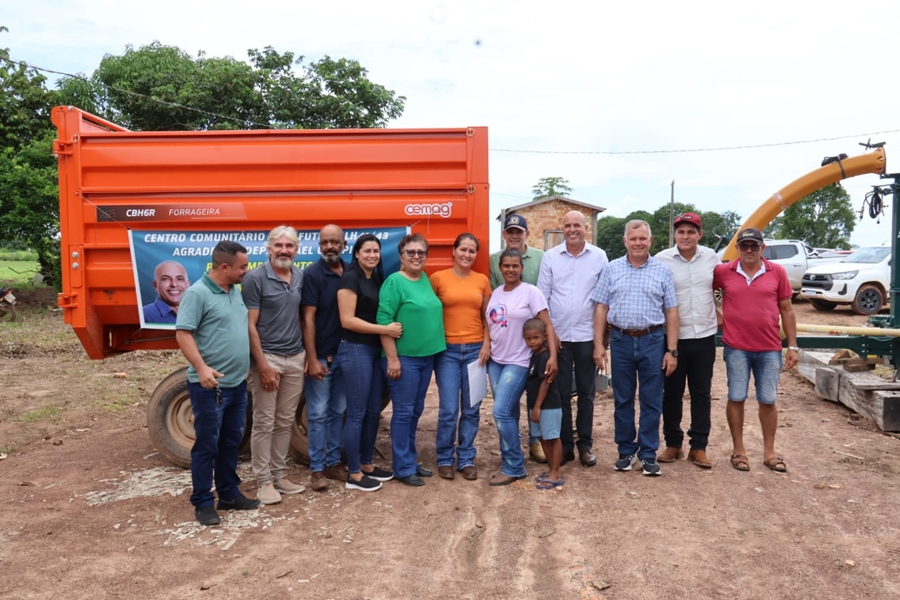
(794, 348)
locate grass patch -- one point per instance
(7, 254)
(18, 272)
(38, 414)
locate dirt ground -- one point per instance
(89, 510)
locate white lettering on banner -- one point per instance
(142, 212)
(425, 210)
(165, 238)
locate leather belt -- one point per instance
(636, 332)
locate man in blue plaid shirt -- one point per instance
(635, 296)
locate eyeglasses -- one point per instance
(417, 253)
(749, 247)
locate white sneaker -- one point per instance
(267, 494)
(285, 486)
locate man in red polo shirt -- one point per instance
(755, 293)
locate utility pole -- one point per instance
(672, 216)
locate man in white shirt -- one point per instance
(569, 273)
(692, 267)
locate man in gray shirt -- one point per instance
(272, 294)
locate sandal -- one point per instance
(776, 464)
(541, 477)
(549, 484)
(740, 462)
(498, 479)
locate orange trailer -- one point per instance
(117, 185)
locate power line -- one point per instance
(507, 150)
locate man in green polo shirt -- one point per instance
(211, 330)
(515, 234)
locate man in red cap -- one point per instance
(755, 293)
(692, 268)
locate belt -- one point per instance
(636, 332)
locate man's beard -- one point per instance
(331, 259)
(283, 262)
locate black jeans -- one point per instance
(577, 356)
(696, 358)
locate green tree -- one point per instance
(163, 88)
(551, 186)
(609, 235)
(719, 228)
(823, 218)
(29, 204)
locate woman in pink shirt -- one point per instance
(509, 307)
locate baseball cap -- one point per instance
(515, 221)
(750, 234)
(689, 217)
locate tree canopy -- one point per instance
(162, 88)
(551, 186)
(822, 219)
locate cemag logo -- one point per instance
(426, 210)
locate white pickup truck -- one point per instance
(796, 257)
(861, 279)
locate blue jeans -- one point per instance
(638, 359)
(326, 402)
(766, 368)
(451, 374)
(507, 384)
(219, 417)
(408, 396)
(364, 385)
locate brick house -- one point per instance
(545, 217)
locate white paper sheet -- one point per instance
(477, 383)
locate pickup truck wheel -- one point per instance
(823, 305)
(170, 420)
(868, 300)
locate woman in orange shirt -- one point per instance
(464, 295)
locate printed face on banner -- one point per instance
(166, 263)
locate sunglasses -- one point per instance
(749, 246)
(415, 253)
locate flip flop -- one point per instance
(740, 462)
(549, 484)
(776, 464)
(500, 479)
(541, 477)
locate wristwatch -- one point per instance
(794, 348)
(673, 352)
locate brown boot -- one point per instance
(670, 454)
(318, 481)
(699, 458)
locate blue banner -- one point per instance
(166, 263)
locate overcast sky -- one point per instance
(564, 77)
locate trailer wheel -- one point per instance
(823, 305)
(300, 431)
(868, 301)
(170, 420)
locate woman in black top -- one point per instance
(359, 359)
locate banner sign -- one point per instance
(166, 263)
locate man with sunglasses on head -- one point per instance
(755, 293)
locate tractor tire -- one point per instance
(170, 420)
(868, 301)
(823, 305)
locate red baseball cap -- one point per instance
(689, 217)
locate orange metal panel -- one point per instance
(434, 181)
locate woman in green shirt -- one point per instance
(407, 298)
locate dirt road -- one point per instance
(88, 509)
